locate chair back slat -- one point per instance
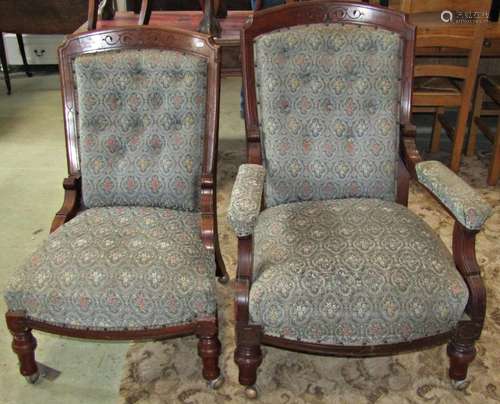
(430, 40)
(439, 70)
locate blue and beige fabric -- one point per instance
(468, 207)
(352, 271)
(246, 197)
(141, 127)
(119, 268)
(329, 114)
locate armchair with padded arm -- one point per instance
(330, 259)
(133, 252)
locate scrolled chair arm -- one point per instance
(246, 197)
(461, 200)
(71, 204)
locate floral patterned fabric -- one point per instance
(246, 198)
(118, 268)
(354, 272)
(468, 207)
(141, 127)
(328, 109)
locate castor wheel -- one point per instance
(459, 384)
(251, 392)
(32, 379)
(224, 279)
(216, 383)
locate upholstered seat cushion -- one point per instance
(353, 272)
(118, 268)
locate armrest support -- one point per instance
(411, 156)
(246, 197)
(464, 255)
(71, 204)
(460, 199)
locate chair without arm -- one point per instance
(133, 251)
(442, 85)
(330, 259)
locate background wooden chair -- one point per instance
(134, 249)
(487, 86)
(448, 84)
(262, 4)
(208, 24)
(437, 6)
(327, 250)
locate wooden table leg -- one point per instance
(209, 24)
(5, 67)
(23, 55)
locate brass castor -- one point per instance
(459, 384)
(216, 383)
(251, 392)
(32, 379)
(224, 279)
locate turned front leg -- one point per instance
(248, 356)
(209, 349)
(23, 344)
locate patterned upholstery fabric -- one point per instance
(119, 268)
(141, 127)
(354, 272)
(468, 207)
(329, 114)
(246, 198)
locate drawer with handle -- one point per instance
(40, 49)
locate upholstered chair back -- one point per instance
(141, 127)
(328, 105)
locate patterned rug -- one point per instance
(170, 371)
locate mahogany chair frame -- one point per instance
(250, 336)
(201, 45)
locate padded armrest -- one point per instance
(465, 203)
(246, 197)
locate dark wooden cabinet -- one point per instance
(38, 17)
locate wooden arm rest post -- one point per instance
(71, 204)
(409, 150)
(208, 211)
(244, 275)
(464, 255)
